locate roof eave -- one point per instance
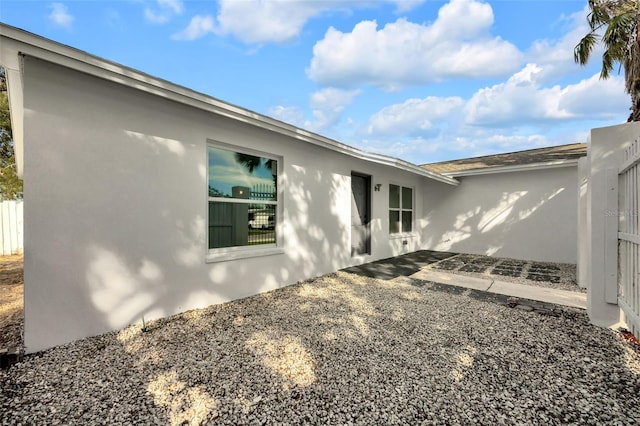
(18, 42)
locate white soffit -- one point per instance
(15, 42)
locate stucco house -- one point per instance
(145, 199)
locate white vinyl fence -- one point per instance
(11, 220)
(629, 238)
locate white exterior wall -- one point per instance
(529, 215)
(116, 207)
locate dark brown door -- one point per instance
(360, 214)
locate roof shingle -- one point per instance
(519, 158)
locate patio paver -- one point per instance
(414, 265)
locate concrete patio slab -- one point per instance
(452, 279)
(542, 294)
(414, 267)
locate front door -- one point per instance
(360, 214)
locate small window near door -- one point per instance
(400, 209)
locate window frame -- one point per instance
(240, 252)
(400, 209)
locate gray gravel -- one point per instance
(341, 349)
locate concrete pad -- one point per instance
(542, 294)
(451, 279)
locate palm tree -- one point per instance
(10, 184)
(621, 41)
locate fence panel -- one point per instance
(629, 238)
(12, 227)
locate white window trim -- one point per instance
(242, 252)
(401, 234)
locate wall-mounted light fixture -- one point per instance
(377, 187)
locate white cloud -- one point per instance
(412, 149)
(279, 21)
(288, 114)
(521, 113)
(175, 5)
(155, 17)
(477, 143)
(165, 10)
(406, 5)
(60, 16)
(555, 57)
(198, 27)
(258, 21)
(327, 106)
(461, 142)
(595, 98)
(457, 45)
(522, 98)
(414, 116)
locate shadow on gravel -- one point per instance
(341, 348)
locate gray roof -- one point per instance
(532, 156)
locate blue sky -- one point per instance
(420, 80)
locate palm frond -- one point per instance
(583, 49)
(620, 20)
(619, 29)
(607, 64)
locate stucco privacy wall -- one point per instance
(116, 205)
(606, 154)
(528, 215)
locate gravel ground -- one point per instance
(340, 349)
(564, 274)
(11, 302)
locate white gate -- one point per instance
(629, 237)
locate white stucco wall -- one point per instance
(522, 215)
(583, 224)
(116, 205)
